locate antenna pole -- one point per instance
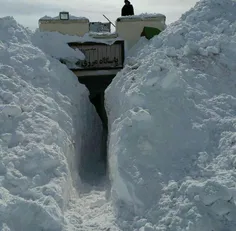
(109, 20)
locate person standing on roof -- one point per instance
(127, 9)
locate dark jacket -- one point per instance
(127, 10)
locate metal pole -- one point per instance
(109, 20)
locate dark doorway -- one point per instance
(97, 86)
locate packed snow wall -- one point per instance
(171, 114)
(46, 124)
(92, 164)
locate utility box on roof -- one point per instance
(100, 27)
(71, 26)
(130, 28)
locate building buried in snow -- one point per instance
(104, 51)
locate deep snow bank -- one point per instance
(171, 112)
(44, 115)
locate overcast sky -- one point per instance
(27, 12)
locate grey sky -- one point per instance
(27, 12)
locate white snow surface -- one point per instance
(46, 124)
(172, 125)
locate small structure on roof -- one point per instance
(100, 27)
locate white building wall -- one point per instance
(130, 28)
(71, 27)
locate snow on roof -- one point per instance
(172, 114)
(104, 35)
(71, 17)
(143, 16)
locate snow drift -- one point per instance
(172, 143)
(45, 116)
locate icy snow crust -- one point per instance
(172, 124)
(45, 116)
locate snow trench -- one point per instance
(95, 159)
